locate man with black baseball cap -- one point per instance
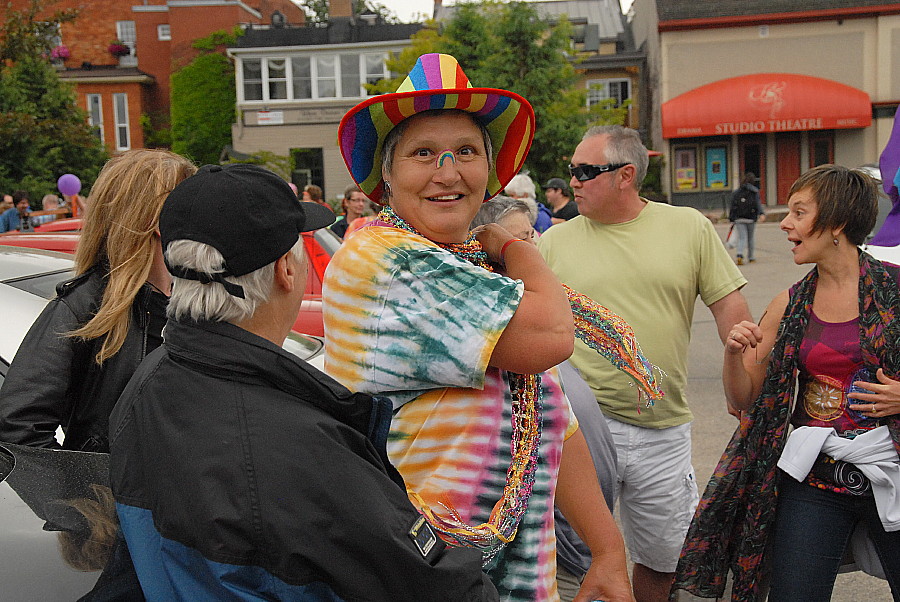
(238, 467)
(557, 194)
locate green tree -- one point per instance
(510, 46)
(280, 164)
(203, 100)
(43, 134)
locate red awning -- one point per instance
(765, 102)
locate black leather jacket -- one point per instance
(55, 381)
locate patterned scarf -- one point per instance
(730, 530)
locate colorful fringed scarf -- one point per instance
(603, 331)
(730, 530)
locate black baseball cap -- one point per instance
(556, 183)
(246, 212)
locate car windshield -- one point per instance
(302, 346)
(42, 285)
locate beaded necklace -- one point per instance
(598, 327)
(490, 537)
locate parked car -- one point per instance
(68, 224)
(320, 246)
(50, 499)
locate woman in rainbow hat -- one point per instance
(457, 329)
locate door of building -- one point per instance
(753, 159)
(787, 163)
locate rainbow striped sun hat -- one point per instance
(436, 82)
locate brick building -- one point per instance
(118, 88)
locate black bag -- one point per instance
(743, 206)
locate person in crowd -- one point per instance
(50, 202)
(513, 215)
(433, 316)
(557, 193)
(267, 516)
(355, 205)
(17, 218)
(573, 557)
(522, 187)
(86, 344)
(314, 194)
(825, 358)
(745, 210)
(648, 262)
(6, 203)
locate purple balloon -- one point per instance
(68, 184)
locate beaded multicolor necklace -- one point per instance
(490, 537)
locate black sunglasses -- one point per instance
(583, 173)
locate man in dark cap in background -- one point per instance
(556, 191)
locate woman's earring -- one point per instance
(835, 241)
(387, 185)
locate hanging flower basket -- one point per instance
(117, 49)
(60, 52)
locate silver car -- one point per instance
(57, 521)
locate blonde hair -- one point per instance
(118, 231)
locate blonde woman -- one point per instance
(81, 351)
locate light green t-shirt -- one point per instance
(650, 271)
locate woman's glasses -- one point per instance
(583, 173)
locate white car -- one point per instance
(51, 501)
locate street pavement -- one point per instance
(772, 272)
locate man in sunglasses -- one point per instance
(647, 262)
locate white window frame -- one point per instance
(314, 75)
(595, 95)
(164, 32)
(121, 121)
(126, 32)
(99, 123)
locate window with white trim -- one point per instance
(163, 32)
(120, 112)
(601, 89)
(95, 114)
(127, 34)
(310, 76)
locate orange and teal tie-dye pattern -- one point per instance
(406, 319)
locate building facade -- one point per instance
(120, 55)
(772, 87)
(605, 57)
(294, 85)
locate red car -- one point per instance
(320, 246)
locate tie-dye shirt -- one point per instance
(409, 320)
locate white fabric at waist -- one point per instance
(873, 453)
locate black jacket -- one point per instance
(54, 381)
(229, 452)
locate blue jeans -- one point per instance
(812, 531)
(745, 247)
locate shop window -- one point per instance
(309, 167)
(95, 114)
(686, 169)
(716, 167)
(821, 148)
